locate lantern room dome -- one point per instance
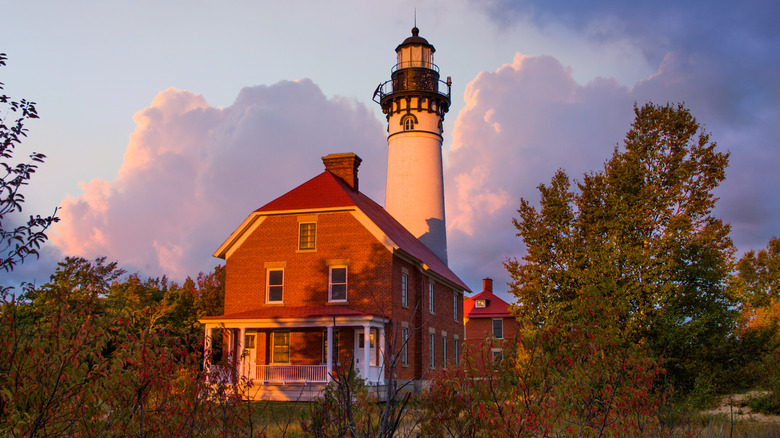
(416, 40)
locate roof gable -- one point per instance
(495, 307)
(323, 191)
(327, 191)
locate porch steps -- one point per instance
(297, 391)
(285, 392)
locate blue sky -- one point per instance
(166, 123)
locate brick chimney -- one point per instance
(487, 285)
(344, 166)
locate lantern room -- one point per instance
(415, 51)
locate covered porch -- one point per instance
(295, 345)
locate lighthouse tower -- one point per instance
(415, 101)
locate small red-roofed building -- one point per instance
(323, 277)
(486, 316)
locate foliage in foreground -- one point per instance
(347, 408)
(73, 365)
(565, 379)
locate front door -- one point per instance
(250, 358)
(360, 350)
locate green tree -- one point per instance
(758, 275)
(211, 293)
(640, 233)
(21, 241)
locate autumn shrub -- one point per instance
(567, 378)
(759, 330)
(345, 408)
(74, 371)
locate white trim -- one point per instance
(444, 349)
(405, 345)
(493, 327)
(330, 284)
(404, 289)
(455, 301)
(273, 344)
(374, 229)
(239, 236)
(318, 321)
(431, 297)
(268, 285)
(300, 225)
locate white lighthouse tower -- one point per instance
(415, 101)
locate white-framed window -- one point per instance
(497, 354)
(431, 343)
(281, 347)
(498, 328)
(337, 283)
(457, 352)
(335, 352)
(404, 289)
(274, 285)
(444, 351)
(405, 345)
(479, 304)
(430, 297)
(455, 307)
(307, 236)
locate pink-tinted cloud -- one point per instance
(529, 118)
(193, 172)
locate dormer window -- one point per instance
(480, 304)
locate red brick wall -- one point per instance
(477, 329)
(339, 236)
(374, 285)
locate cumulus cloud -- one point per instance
(521, 123)
(529, 118)
(193, 172)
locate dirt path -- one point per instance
(733, 403)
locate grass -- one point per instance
(717, 426)
(280, 419)
(283, 419)
(765, 403)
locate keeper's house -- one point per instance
(323, 277)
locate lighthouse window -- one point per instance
(408, 123)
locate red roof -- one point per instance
(495, 307)
(278, 312)
(329, 191)
(323, 191)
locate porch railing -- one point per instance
(291, 373)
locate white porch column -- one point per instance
(240, 356)
(381, 351)
(329, 352)
(366, 351)
(207, 348)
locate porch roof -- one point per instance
(284, 312)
